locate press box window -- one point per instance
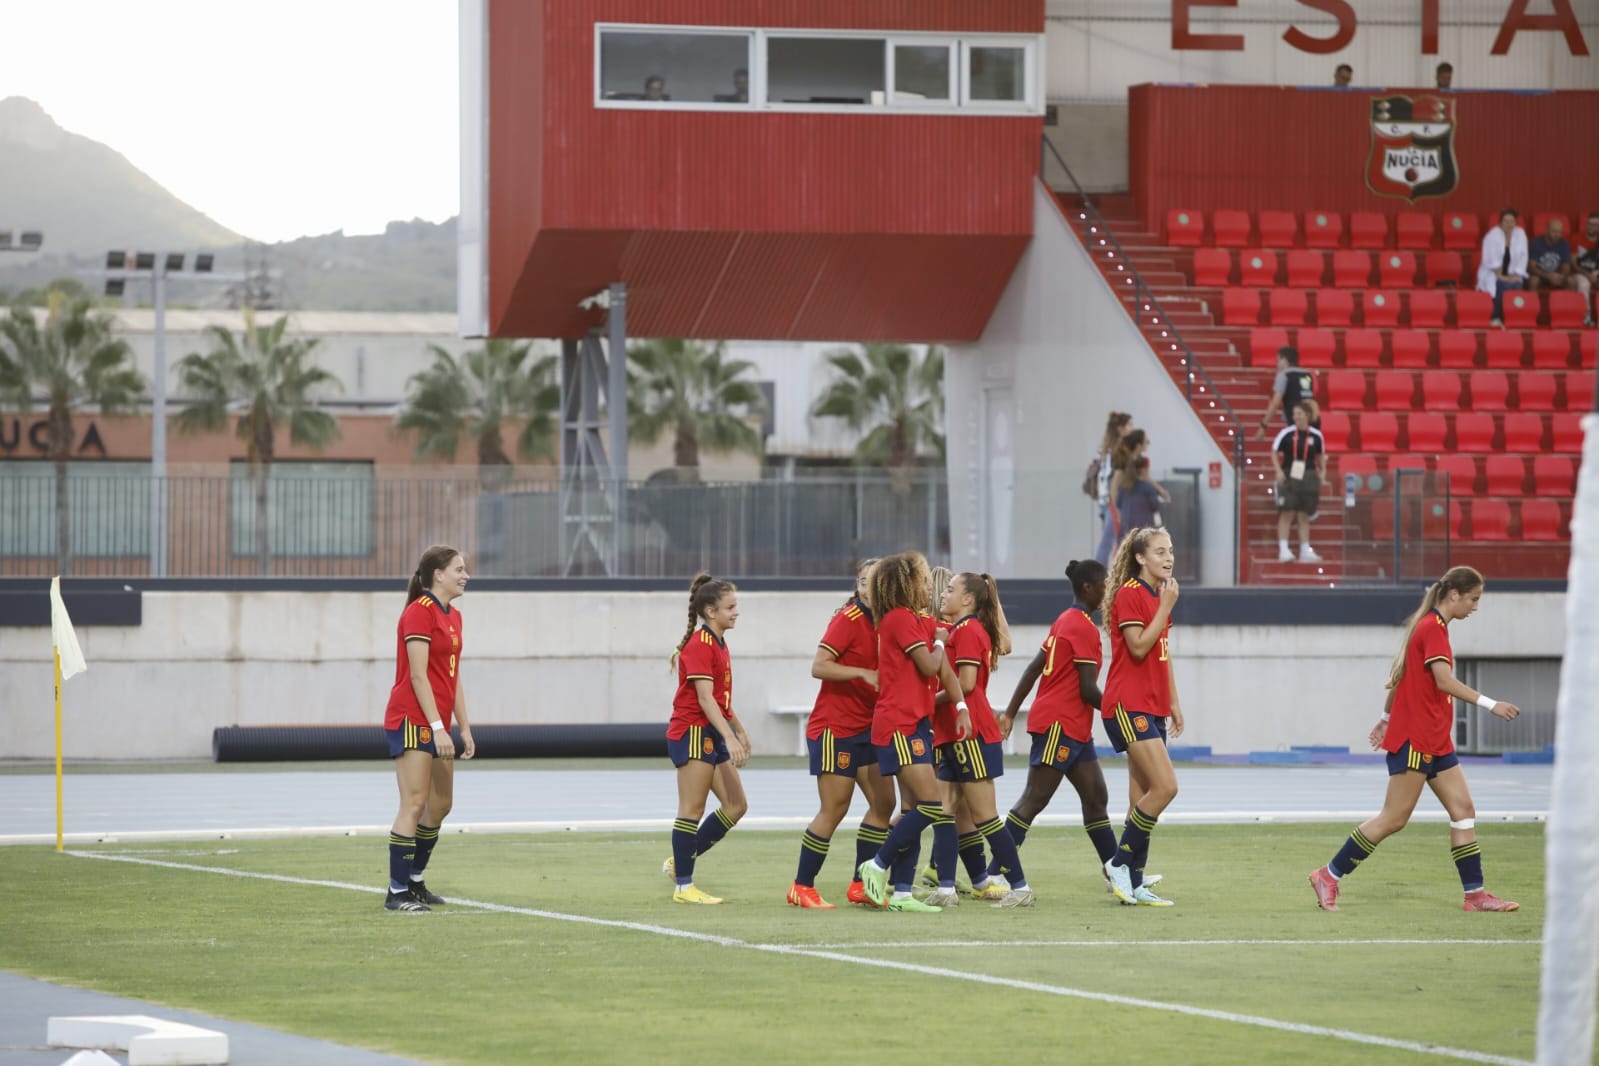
(695, 68)
(996, 74)
(825, 70)
(922, 73)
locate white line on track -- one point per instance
(1349, 1036)
(889, 944)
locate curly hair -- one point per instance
(1124, 566)
(901, 580)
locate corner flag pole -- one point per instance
(65, 642)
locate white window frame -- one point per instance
(753, 50)
(1032, 71)
(952, 90)
(764, 37)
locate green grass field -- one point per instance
(551, 977)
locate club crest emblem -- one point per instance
(1412, 147)
(918, 747)
(425, 735)
(1062, 753)
(843, 760)
(1426, 758)
(1141, 724)
(710, 746)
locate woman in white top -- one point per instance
(1117, 426)
(1504, 261)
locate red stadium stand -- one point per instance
(1395, 389)
(1409, 462)
(1240, 307)
(1461, 232)
(1185, 229)
(1553, 475)
(1541, 520)
(1362, 466)
(1413, 230)
(1506, 475)
(1334, 307)
(1440, 390)
(1263, 345)
(1368, 229)
(1541, 220)
(1521, 310)
(1534, 391)
(1306, 268)
(1335, 430)
(1579, 392)
(1362, 348)
(1428, 309)
(1379, 308)
(1315, 348)
(1551, 350)
(1474, 432)
(1351, 269)
(1427, 432)
(1379, 431)
(1566, 427)
(1229, 228)
(1588, 345)
(1323, 229)
(1257, 266)
(1567, 310)
(1524, 433)
(1411, 347)
(1506, 351)
(1490, 520)
(1473, 309)
(1462, 471)
(1396, 270)
(1287, 307)
(1278, 229)
(1457, 350)
(1212, 267)
(1443, 268)
(1346, 390)
(1490, 390)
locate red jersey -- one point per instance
(1072, 640)
(1423, 714)
(969, 645)
(703, 658)
(425, 619)
(1137, 686)
(903, 698)
(845, 707)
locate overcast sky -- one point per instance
(277, 120)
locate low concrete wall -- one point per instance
(204, 659)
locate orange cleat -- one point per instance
(857, 894)
(1326, 886)
(1483, 900)
(807, 897)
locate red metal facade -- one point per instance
(754, 225)
(1255, 147)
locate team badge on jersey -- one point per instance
(1141, 724)
(710, 746)
(1426, 758)
(843, 760)
(1412, 147)
(425, 735)
(918, 748)
(1062, 753)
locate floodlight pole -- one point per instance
(158, 426)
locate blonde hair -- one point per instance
(1461, 579)
(985, 605)
(898, 581)
(1124, 567)
(939, 578)
(704, 592)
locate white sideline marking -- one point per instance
(1150, 943)
(1209, 1014)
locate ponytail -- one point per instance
(1461, 579)
(704, 592)
(990, 615)
(436, 558)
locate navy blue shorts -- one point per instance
(971, 760)
(843, 756)
(1054, 749)
(906, 749)
(1432, 765)
(1129, 727)
(411, 737)
(701, 743)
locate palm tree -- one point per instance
(269, 382)
(696, 392)
(894, 398)
(75, 361)
(478, 394)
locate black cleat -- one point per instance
(404, 901)
(420, 893)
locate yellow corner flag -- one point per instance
(68, 662)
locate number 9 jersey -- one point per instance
(425, 619)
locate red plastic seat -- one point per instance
(1473, 309)
(1287, 307)
(1346, 390)
(1428, 309)
(1588, 349)
(1535, 391)
(1185, 229)
(1240, 307)
(1540, 224)
(1379, 308)
(1334, 307)
(1567, 309)
(1505, 350)
(1506, 475)
(1395, 389)
(1351, 270)
(1368, 229)
(1551, 350)
(1411, 347)
(1457, 350)
(1524, 433)
(1335, 426)
(1553, 475)
(1521, 309)
(1396, 270)
(1474, 432)
(1457, 519)
(1212, 267)
(1440, 390)
(1462, 471)
(1278, 229)
(1379, 431)
(1490, 390)
(1264, 344)
(1427, 432)
(1490, 520)
(1229, 228)
(1257, 266)
(1408, 461)
(1362, 348)
(1306, 268)
(1413, 229)
(1362, 466)
(1579, 392)
(1461, 231)
(1443, 268)
(1323, 229)
(1540, 520)
(1567, 431)
(1315, 348)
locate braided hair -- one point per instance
(704, 592)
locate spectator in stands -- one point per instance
(741, 85)
(1139, 496)
(1289, 387)
(1549, 259)
(1585, 271)
(1343, 75)
(1301, 472)
(1504, 261)
(1103, 468)
(1446, 75)
(655, 88)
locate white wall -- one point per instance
(202, 660)
(1057, 356)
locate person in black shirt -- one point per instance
(1301, 471)
(1291, 385)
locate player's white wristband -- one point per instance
(438, 726)
(961, 706)
(938, 645)
(1486, 702)
(1385, 717)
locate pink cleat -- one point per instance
(1483, 900)
(1326, 886)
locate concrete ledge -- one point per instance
(148, 1041)
(1279, 758)
(1544, 757)
(1321, 749)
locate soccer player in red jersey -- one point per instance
(1140, 698)
(1417, 732)
(705, 739)
(425, 699)
(839, 736)
(901, 730)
